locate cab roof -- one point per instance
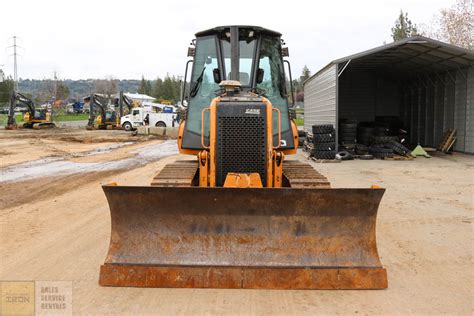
(220, 29)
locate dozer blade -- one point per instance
(268, 238)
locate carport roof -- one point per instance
(411, 55)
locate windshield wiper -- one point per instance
(197, 85)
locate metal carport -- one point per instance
(427, 84)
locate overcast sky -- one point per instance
(127, 39)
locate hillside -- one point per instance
(77, 88)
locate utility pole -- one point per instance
(15, 66)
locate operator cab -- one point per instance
(248, 54)
(39, 114)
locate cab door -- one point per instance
(137, 119)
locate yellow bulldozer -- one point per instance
(240, 214)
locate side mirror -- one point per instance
(217, 75)
(260, 73)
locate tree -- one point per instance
(145, 87)
(403, 28)
(46, 92)
(298, 85)
(62, 91)
(6, 88)
(106, 86)
(454, 25)
(305, 74)
(157, 89)
(168, 90)
(300, 96)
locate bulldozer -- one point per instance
(240, 213)
(33, 117)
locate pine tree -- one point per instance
(145, 87)
(403, 28)
(158, 88)
(305, 74)
(168, 90)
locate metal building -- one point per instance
(427, 84)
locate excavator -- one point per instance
(241, 213)
(105, 119)
(122, 100)
(33, 117)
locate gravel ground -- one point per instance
(58, 228)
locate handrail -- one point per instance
(202, 127)
(279, 127)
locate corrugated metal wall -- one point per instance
(357, 99)
(364, 95)
(460, 102)
(469, 140)
(433, 104)
(438, 126)
(320, 98)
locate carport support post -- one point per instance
(418, 119)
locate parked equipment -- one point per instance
(121, 101)
(105, 119)
(33, 117)
(78, 107)
(240, 215)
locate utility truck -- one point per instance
(142, 117)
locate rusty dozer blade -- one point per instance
(270, 238)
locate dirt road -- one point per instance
(424, 235)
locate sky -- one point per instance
(84, 39)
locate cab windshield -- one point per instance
(257, 53)
(203, 87)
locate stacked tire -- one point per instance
(365, 133)
(381, 129)
(387, 146)
(380, 151)
(301, 138)
(347, 132)
(324, 142)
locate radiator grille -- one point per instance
(240, 142)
